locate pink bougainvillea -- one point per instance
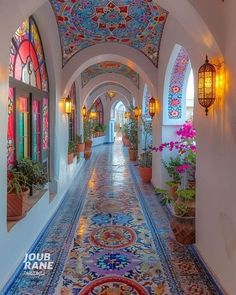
(186, 142)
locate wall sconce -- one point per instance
(206, 85)
(127, 115)
(111, 94)
(68, 105)
(84, 112)
(93, 115)
(137, 112)
(154, 107)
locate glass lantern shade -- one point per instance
(206, 85)
(152, 107)
(68, 105)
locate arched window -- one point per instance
(72, 117)
(98, 108)
(28, 114)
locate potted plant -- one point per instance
(145, 166)
(88, 131)
(183, 218)
(133, 138)
(97, 130)
(80, 143)
(125, 131)
(36, 177)
(17, 195)
(71, 151)
(174, 175)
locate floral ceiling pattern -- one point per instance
(109, 67)
(135, 23)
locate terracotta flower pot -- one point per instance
(88, 144)
(17, 205)
(80, 147)
(132, 155)
(87, 154)
(70, 158)
(145, 174)
(183, 229)
(191, 206)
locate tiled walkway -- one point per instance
(122, 243)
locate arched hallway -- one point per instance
(117, 125)
(117, 236)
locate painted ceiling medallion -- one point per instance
(135, 23)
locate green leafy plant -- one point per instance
(172, 183)
(186, 194)
(147, 133)
(34, 173)
(181, 209)
(145, 159)
(71, 147)
(79, 139)
(133, 133)
(17, 182)
(88, 129)
(165, 199)
(171, 168)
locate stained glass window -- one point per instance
(11, 129)
(36, 131)
(23, 128)
(98, 108)
(29, 120)
(27, 62)
(45, 124)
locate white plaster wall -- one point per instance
(16, 243)
(216, 143)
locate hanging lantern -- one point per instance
(206, 85)
(93, 115)
(111, 94)
(152, 107)
(137, 112)
(84, 112)
(68, 105)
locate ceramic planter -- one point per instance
(132, 155)
(183, 229)
(87, 154)
(145, 174)
(80, 147)
(70, 158)
(88, 144)
(17, 205)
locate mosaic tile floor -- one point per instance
(111, 237)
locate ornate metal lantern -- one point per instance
(137, 112)
(206, 85)
(68, 105)
(152, 107)
(84, 112)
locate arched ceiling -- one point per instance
(135, 23)
(109, 67)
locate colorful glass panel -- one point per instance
(27, 62)
(45, 124)
(23, 128)
(11, 129)
(36, 134)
